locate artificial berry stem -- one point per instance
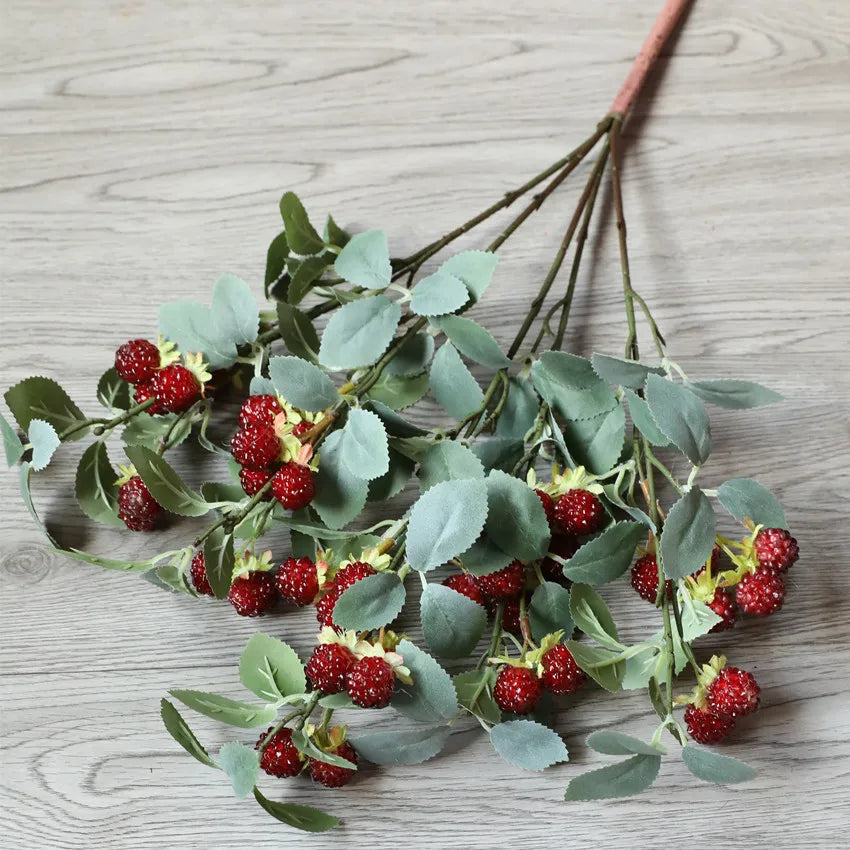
(232, 520)
(103, 425)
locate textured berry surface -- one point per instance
(760, 593)
(723, 604)
(579, 512)
(253, 480)
(255, 447)
(136, 507)
(370, 682)
(136, 361)
(301, 428)
(251, 595)
(645, 578)
(548, 506)
(733, 693)
(510, 616)
(506, 583)
(325, 606)
(259, 410)
(776, 548)
(293, 486)
(198, 571)
(330, 775)
(176, 388)
(328, 667)
(517, 689)
(705, 727)
(142, 392)
(280, 758)
(564, 546)
(347, 576)
(298, 580)
(466, 585)
(561, 674)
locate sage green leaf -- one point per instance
(232, 712)
(735, 395)
(300, 234)
(12, 445)
(305, 818)
(745, 498)
(404, 747)
(613, 743)
(591, 615)
(342, 700)
(394, 480)
(304, 745)
(43, 398)
(697, 618)
(235, 314)
(150, 431)
(597, 443)
(602, 665)
(624, 779)
(475, 693)
(607, 556)
(625, 373)
(165, 484)
(334, 234)
(432, 695)
(687, 538)
(275, 261)
(445, 521)
(219, 560)
(302, 383)
(371, 603)
(446, 461)
(179, 729)
(520, 410)
(474, 268)
(643, 421)
(614, 499)
(712, 767)
(681, 416)
(44, 441)
(304, 277)
(473, 341)
(363, 446)
(413, 357)
(452, 624)
(340, 495)
(271, 669)
(95, 486)
(645, 666)
(549, 611)
(398, 392)
(516, 521)
(452, 383)
(438, 294)
(358, 333)
(483, 557)
(242, 764)
(113, 392)
(297, 332)
(365, 260)
(527, 744)
(571, 387)
(498, 452)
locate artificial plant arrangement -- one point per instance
(544, 486)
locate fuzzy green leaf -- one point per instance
(165, 484)
(365, 260)
(474, 268)
(363, 446)
(745, 498)
(304, 745)
(150, 431)
(625, 373)
(302, 383)
(473, 341)
(304, 277)
(113, 392)
(179, 729)
(371, 603)
(452, 383)
(483, 557)
(297, 332)
(591, 615)
(549, 610)
(232, 712)
(95, 486)
(12, 445)
(519, 412)
(43, 398)
(643, 421)
(571, 387)
(271, 669)
(712, 767)
(44, 440)
(398, 392)
(392, 482)
(275, 261)
(413, 357)
(527, 744)
(300, 234)
(446, 461)
(358, 333)
(334, 234)
(432, 695)
(599, 664)
(613, 743)
(452, 623)
(607, 556)
(219, 560)
(340, 496)
(242, 764)
(476, 699)
(438, 294)
(688, 535)
(404, 747)
(516, 521)
(596, 443)
(735, 395)
(680, 416)
(305, 818)
(624, 779)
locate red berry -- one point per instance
(370, 682)
(328, 667)
(733, 693)
(330, 775)
(253, 480)
(467, 586)
(723, 604)
(506, 583)
(517, 689)
(510, 617)
(259, 410)
(548, 506)
(561, 674)
(198, 571)
(298, 580)
(301, 428)
(776, 548)
(176, 388)
(705, 727)
(280, 758)
(255, 447)
(142, 392)
(325, 606)
(564, 546)
(645, 578)
(347, 576)
(579, 512)
(136, 361)
(761, 593)
(136, 506)
(293, 486)
(252, 594)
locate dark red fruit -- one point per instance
(280, 758)
(142, 392)
(176, 388)
(723, 604)
(252, 594)
(579, 512)
(761, 593)
(370, 682)
(136, 506)
(330, 775)
(253, 480)
(561, 674)
(136, 361)
(776, 548)
(259, 410)
(325, 606)
(301, 428)
(466, 585)
(705, 727)
(347, 576)
(506, 583)
(517, 689)
(548, 506)
(645, 578)
(255, 447)
(328, 667)
(510, 617)
(733, 693)
(564, 546)
(298, 580)
(293, 486)
(198, 571)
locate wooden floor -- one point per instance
(144, 149)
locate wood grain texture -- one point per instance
(144, 149)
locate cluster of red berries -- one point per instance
(281, 758)
(137, 508)
(730, 694)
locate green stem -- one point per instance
(232, 520)
(677, 616)
(102, 425)
(305, 713)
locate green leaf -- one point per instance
(452, 383)
(445, 521)
(12, 445)
(527, 744)
(405, 747)
(549, 611)
(358, 333)
(371, 603)
(392, 482)
(305, 818)
(180, 731)
(446, 461)
(519, 412)
(697, 618)
(438, 294)
(612, 496)
(398, 392)
(365, 260)
(165, 484)
(242, 764)
(275, 261)
(743, 498)
(688, 535)
(304, 745)
(342, 700)
(468, 687)
(599, 664)
(452, 624)
(516, 521)
(607, 556)
(681, 417)
(219, 560)
(474, 268)
(643, 421)
(340, 496)
(334, 234)
(571, 387)
(44, 440)
(598, 442)
(271, 669)
(301, 383)
(413, 357)
(624, 779)
(308, 272)
(498, 452)
(625, 373)
(363, 446)
(297, 332)
(645, 666)
(241, 714)
(613, 743)
(484, 557)
(473, 341)
(113, 392)
(591, 615)
(712, 767)
(736, 395)
(151, 430)
(95, 486)
(43, 398)
(234, 310)
(432, 695)
(300, 234)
